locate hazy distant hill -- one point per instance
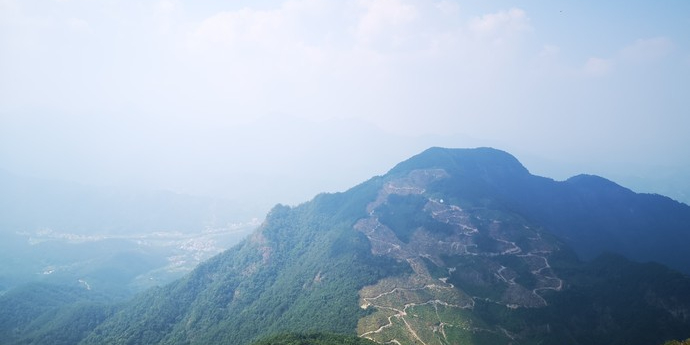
(451, 246)
(28, 205)
(110, 240)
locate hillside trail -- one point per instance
(397, 296)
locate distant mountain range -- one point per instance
(29, 204)
(111, 239)
(453, 246)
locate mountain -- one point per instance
(589, 213)
(41, 313)
(451, 246)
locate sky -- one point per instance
(274, 101)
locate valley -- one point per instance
(118, 263)
(118, 240)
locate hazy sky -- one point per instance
(278, 100)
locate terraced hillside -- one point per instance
(457, 257)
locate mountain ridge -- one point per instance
(463, 252)
(510, 184)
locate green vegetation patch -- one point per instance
(404, 214)
(472, 276)
(313, 339)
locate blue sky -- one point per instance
(317, 95)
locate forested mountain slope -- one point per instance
(451, 246)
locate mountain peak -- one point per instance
(481, 159)
(594, 181)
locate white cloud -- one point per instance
(317, 58)
(448, 7)
(246, 25)
(641, 51)
(597, 67)
(648, 50)
(383, 18)
(79, 25)
(501, 24)
(549, 52)
(164, 15)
